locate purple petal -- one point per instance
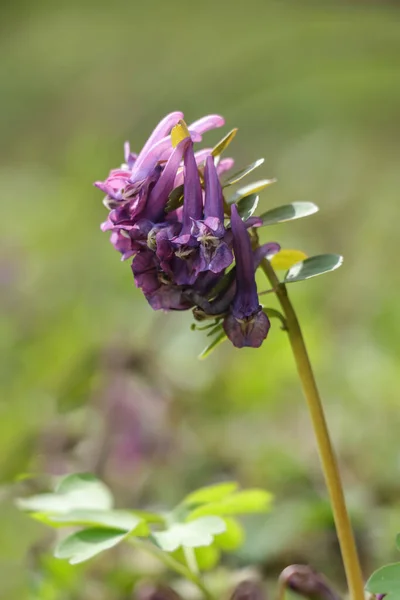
(266, 250)
(145, 271)
(201, 155)
(250, 331)
(130, 158)
(215, 259)
(168, 298)
(163, 129)
(120, 242)
(213, 200)
(206, 123)
(193, 197)
(246, 299)
(224, 165)
(159, 194)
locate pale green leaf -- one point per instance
(251, 188)
(212, 345)
(288, 212)
(114, 519)
(232, 538)
(311, 267)
(79, 491)
(199, 532)
(211, 493)
(243, 172)
(385, 580)
(247, 206)
(85, 544)
(224, 143)
(246, 501)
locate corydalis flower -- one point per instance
(168, 213)
(247, 324)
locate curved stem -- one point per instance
(170, 562)
(325, 449)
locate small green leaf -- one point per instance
(247, 206)
(207, 557)
(224, 143)
(212, 345)
(175, 199)
(232, 538)
(243, 172)
(199, 532)
(311, 267)
(149, 517)
(114, 519)
(288, 212)
(78, 491)
(85, 544)
(246, 501)
(385, 580)
(211, 493)
(251, 188)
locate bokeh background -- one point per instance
(92, 378)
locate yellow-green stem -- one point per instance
(170, 562)
(326, 453)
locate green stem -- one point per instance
(325, 449)
(191, 561)
(170, 562)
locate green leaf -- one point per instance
(251, 188)
(199, 532)
(243, 172)
(211, 493)
(224, 143)
(175, 199)
(207, 557)
(288, 212)
(246, 501)
(247, 206)
(232, 537)
(78, 491)
(149, 517)
(114, 519)
(212, 345)
(385, 580)
(85, 544)
(311, 267)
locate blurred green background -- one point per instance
(92, 378)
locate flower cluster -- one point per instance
(190, 249)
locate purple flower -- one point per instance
(181, 257)
(215, 253)
(247, 324)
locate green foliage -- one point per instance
(85, 544)
(311, 267)
(196, 533)
(251, 188)
(385, 580)
(224, 143)
(200, 520)
(288, 212)
(243, 172)
(247, 206)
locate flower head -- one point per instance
(182, 244)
